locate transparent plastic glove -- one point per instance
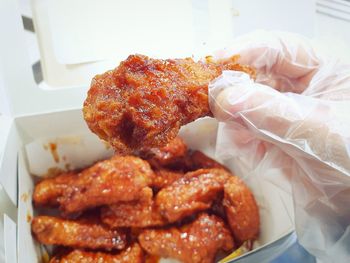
(295, 117)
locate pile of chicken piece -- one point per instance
(169, 202)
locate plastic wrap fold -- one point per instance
(294, 118)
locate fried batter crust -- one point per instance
(47, 192)
(141, 213)
(241, 210)
(121, 178)
(145, 101)
(132, 254)
(186, 161)
(192, 193)
(170, 154)
(171, 162)
(165, 177)
(55, 231)
(198, 241)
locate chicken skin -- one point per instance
(132, 254)
(172, 161)
(196, 242)
(170, 154)
(241, 210)
(192, 193)
(165, 177)
(176, 156)
(121, 178)
(55, 231)
(48, 191)
(141, 213)
(145, 101)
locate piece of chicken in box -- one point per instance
(61, 141)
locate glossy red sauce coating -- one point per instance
(144, 101)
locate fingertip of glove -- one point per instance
(225, 93)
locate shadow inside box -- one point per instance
(295, 254)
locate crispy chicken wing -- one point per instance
(47, 192)
(193, 192)
(55, 231)
(132, 254)
(198, 241)
(241, 210)
(144, 101)
(107, 182)
(141, 213)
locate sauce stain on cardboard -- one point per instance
(29, 217)
(53, 149)
(107, 145)
(67, 166)
(53, 171)
(24, 197)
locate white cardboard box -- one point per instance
(69, 131)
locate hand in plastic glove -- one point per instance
(299, 104)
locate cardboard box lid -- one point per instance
(24, 96)
(27, 98)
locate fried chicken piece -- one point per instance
(144, 101)
(171, 162)
(47, 192)
(198, 241)
(191, 160)
(178, 163)
(55, 231)
(141, 213)
(241, 210)
(107, 182)
(132, 254)
(165, 177)
(192, 193)
(171, 153)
